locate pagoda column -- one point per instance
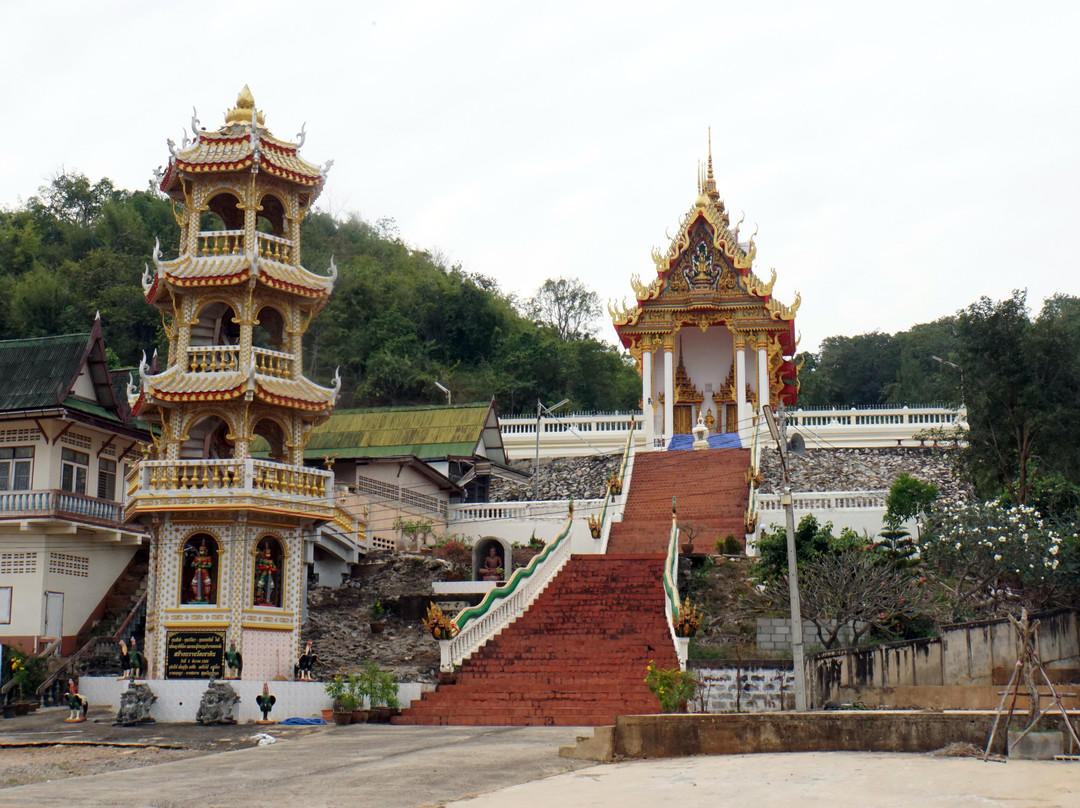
(740, 382)
(762, 374)
(669, 388)
(647, 393)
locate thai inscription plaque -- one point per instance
(194, 654)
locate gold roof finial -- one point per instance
(710, 183)
(245, 104)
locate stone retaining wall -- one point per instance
(560, 478)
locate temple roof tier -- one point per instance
(242, 143)
(179, 385)
(190, 271)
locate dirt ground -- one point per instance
(41, 747)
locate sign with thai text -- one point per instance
(194, 654)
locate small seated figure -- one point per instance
(491, 570)
(234, 663)
(265, 701)
(77, 704)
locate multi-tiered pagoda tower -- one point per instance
(227, 556)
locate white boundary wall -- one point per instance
(178, 699)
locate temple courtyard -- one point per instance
(409, 767)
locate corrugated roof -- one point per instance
(426, 432)
(36, 372)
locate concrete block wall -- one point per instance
(774, 635)
(753, 686)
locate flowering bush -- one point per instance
(689, 620)
(672, 686)
(440, 626)
(987, 554)
(457, 551)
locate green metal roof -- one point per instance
(426, 431)
(36, 373)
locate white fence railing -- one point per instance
(580, 434)
(825, 500)
(490, 511)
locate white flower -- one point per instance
(997, 557)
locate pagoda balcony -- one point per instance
(213, 243)
(54, 505)
(226, 358)
(227, 485)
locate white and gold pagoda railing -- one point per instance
(226, 358)
(220, 482)
(214, 243)
(504, 604)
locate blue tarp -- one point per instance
(727, 440)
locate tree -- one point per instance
(908, 499)
(566, 305)
(989, 557)
(1021, 392)
(812, 540)
(855, 588)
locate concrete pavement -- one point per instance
(481, 767)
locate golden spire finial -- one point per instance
(710, 181)
(245, 104)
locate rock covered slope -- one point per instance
(864, 469)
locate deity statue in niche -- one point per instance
(492, 567)
(200, 553)
(267, 591)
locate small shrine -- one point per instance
(710, 340)
(228, 529)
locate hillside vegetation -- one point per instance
(399, 318)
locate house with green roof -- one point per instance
(67, 438)
(409, 464)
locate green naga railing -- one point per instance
(504, 604)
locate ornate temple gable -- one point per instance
(704, 279)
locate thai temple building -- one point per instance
(710, 339)
(229, 531)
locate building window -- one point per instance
(5, 605)
(73, 468)
(106, 479)
(16, 465)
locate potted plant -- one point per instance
(378, 612)
(381, 691)
(346, 693)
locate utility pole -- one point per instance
(778, 429)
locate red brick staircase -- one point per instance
(709, 488)
(577, 657)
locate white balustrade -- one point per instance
(159, 477)
(581, 434)
(505, 604)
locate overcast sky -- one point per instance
(900, 159)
